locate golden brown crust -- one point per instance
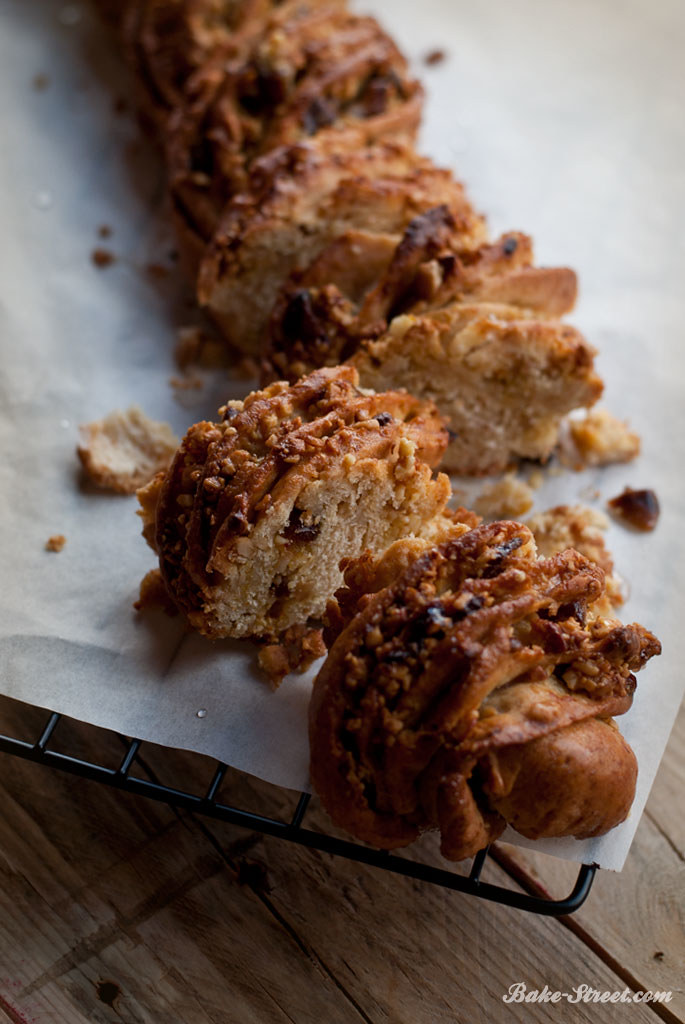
(167, 41)
(463, 681)
(586, 757)
(321, 69)
(256, 512)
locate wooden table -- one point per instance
(115, 908)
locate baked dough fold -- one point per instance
(475, 689)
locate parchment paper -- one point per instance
(564, 119)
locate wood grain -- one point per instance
(114, 908)
(637, 916)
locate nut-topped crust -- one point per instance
(167, 41)
(301, 198)
(256, 512)
(473, 690)
(322, 69)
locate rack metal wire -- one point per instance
(208, 804)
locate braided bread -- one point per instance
(167, 41)
(256, 512)
(320, 70)
(471, 685)
(288, 129)
(324, 313)
(472, 328)
(302, 198)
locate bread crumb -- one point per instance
(195, 347)
(434, 57)
(582, 528)
(153, 594)
(40, 82)
(102, 257)
(56, 542)
(104, 231)
(125, 449)
(601, 439)
(536, 479)
(506, 499)
(157, 271)
(297, 648)
(188, 382)
(246, 368)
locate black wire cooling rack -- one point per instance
(123, 778)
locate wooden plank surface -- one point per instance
(115, 908)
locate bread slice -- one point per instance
(469, 324)
(504, 379)
(257, 511)
(321, 69)
(356, 285)
(302, 198)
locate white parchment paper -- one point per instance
(564, 119)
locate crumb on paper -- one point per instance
(246, 368)
(297, 648)
(40, 82)
(433, 57)
(56, 542)
(157, 271)
(638, 508)
(196, 347)
(536, 480)
(507, 498)
(153, 594)
(104, 231)
(125, 449)
(189, 381)
(102, 258)
(600, 439)
(582, 528)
